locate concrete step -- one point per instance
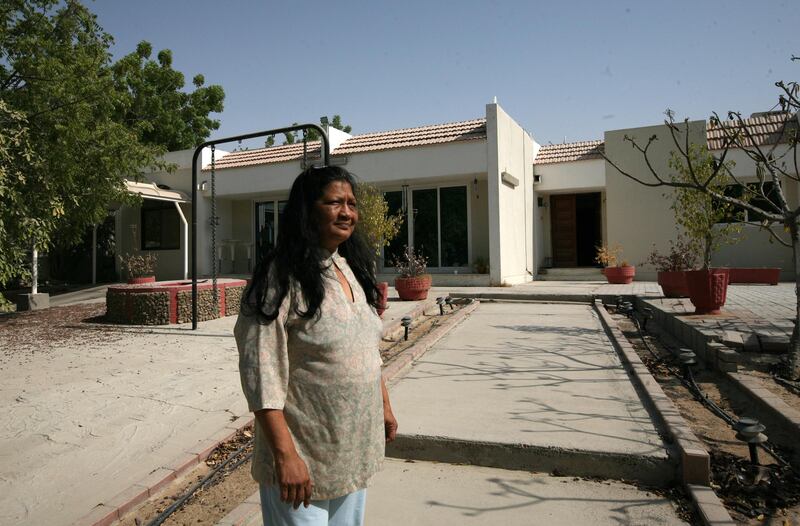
(432, 494)
(571, 274)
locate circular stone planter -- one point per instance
(166, 302)
(708, 289)
(673, 283)
(412, 289)
(620, 275)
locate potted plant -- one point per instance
(412, 283)
(138, 268)
(481, 265)
(377, 227)
(672, 267)
(615, 270)
(708, 222)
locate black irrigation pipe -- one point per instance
(186, 496)
(689, 382)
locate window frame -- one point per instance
(159, 206)
(410, 222)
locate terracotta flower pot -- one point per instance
(673, 283)
(412, 289)
(141, 280)
(708, 289)
(620, 275)
(383, 294)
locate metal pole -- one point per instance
(326, 154)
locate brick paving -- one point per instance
(754, 318)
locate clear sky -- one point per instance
(568, 69)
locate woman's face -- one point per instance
(336, 214)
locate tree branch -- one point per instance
(772, 233)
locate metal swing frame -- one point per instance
(326, 153)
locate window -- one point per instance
(739, 214)
(160, 225)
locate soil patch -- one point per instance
(769, 495)
(23, 333)
(209, 504)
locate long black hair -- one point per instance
(298, 256)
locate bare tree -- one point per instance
(776, 160)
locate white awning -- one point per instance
(152, 191)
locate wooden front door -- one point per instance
(563, 231)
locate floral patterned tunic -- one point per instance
(325, 373)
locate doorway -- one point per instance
(575, 228)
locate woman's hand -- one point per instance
(389, 423)
(293, 479)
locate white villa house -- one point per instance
(479, 195)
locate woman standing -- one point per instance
(308, 338)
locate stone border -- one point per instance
(695, 461)
(395, 369)
(704, 343)
(711, 510)
(778, 411)
(107, 513)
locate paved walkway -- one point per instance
(530, 386)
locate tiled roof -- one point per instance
(405, 138)
(571, 151)
(273, 154)
(409, 137)
(765, 129)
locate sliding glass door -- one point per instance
(267, 215)
(436, 224)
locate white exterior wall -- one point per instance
(438, 163)
(238, 189)
(630, 205)
(639, 217)
(511, 209)
(571, 177)
(755, 249)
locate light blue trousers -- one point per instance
(347, 510)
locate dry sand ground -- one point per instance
(90, 408)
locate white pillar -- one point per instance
(185, 241)
(35, 271)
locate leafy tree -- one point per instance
(157, 108)
(699, 214)
(71, 154)
(17, 224)
(777, 170)
(374, 221)
(311, 135)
